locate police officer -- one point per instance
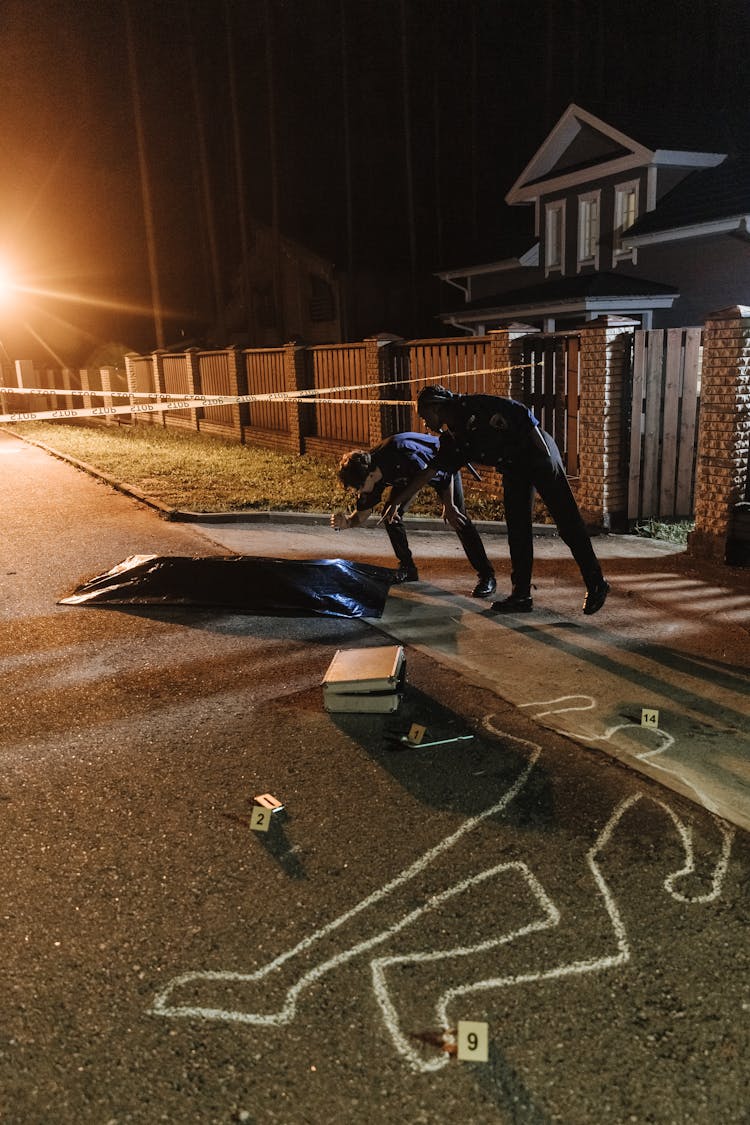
(502, 432)
(394, 464)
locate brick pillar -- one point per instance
(157, 362)
(507, 356)
(604, 368)
(297, 411)
(238, 386)
(724, 440)
(381, 420)
(504, 355)
(86, 400)
(107, 400)
(193, 379)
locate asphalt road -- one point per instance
(164, 963)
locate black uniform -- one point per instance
(490, 430)
(399, 458)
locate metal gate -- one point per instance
(550, 387)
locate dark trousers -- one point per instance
(468, 537)
(545, 475)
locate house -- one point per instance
(625, 223)
(288, 292)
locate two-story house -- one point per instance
(623, 225)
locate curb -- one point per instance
(312, 519)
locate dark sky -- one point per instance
(399, 126)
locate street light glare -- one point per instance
(7, 285)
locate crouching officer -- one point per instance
(491, 430)
(394, 464)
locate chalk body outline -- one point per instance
(548, 918)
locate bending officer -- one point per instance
(502, 432)
(394, 464)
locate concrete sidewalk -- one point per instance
(673, 637)
(670, 638)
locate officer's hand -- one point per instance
(390, 514)
(339, 520)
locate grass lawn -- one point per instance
(199, 473)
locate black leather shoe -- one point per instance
(406, 574)
(484, 587)
(595, 598)
(514, 603)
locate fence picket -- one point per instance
(672, 381)
(688, 424)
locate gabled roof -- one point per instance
(582, 143)
(707, 196)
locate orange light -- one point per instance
(7, 286)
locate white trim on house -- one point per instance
(533, 180)
(529, 258)
(588, 229)
(620, 251)
(694, 230)
(594, 305)
(554, 207)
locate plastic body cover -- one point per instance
(243, 584)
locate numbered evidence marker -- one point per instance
(416, 733)
(265, 807)
(473, 1041)
(649, 717)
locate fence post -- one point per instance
(193, 378)
(723, 464)
(377, 371)
(85, 387)
(294, 380)
(157, 362)
(106, 380)
(604, 368)
(505, 357)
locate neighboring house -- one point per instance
(651, 228)
(292, 294)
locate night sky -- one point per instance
(384, 134)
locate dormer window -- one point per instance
(588, 229)
(626, 212)
(554, 237)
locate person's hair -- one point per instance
(436, 395)
(354, 468)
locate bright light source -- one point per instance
(7, 285)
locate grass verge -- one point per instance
(199, 473)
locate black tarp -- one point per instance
(243, 584)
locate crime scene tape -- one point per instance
(165, 402)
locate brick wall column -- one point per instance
(380, 419)
(294, 380)
(238, 386)
(157, 362)
(193, 379)
(503, 356)
(604, 369)
(107, 400)
(724, 439)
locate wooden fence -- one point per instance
(664, 423)
(550, 386)
(661, 428)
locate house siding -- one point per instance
(713, 272)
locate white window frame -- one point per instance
(555, 208)
(622, 253)
(589, 259)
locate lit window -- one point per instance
(554, 237)
(588, 229)
(626, 212)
